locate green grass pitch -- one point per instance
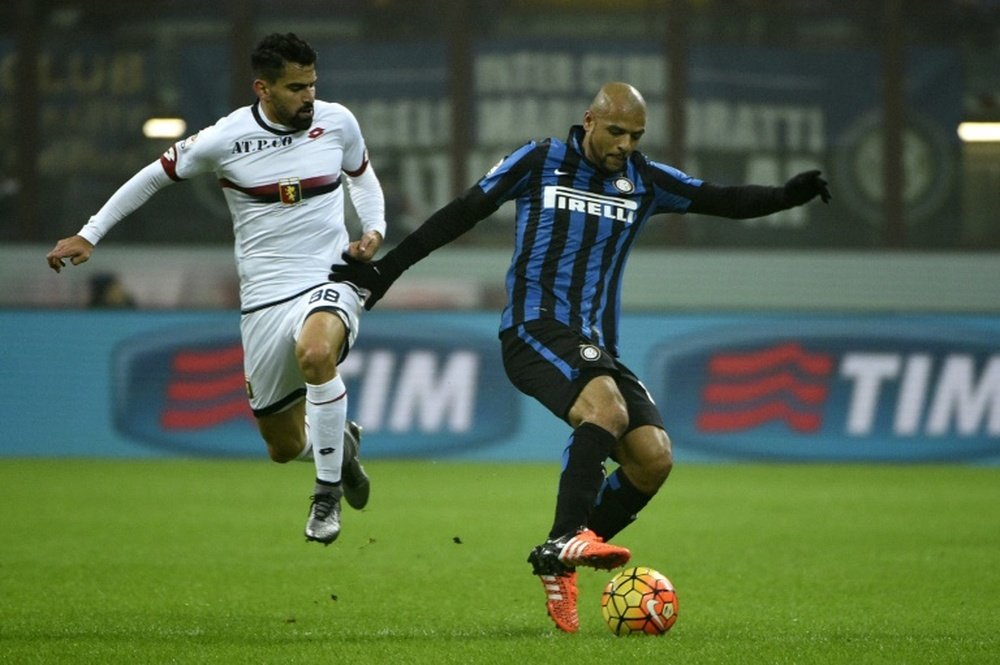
(204, 562)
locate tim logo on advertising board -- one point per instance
(423, 392)
(869, 394)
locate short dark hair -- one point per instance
(269, 58)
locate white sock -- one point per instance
(326, 408)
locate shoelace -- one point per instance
(323, 505)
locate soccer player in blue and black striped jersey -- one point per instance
(581, 204)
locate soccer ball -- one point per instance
(639, 601)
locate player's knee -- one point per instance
(660, 468)
(616, 419)
(282, 449)
(650, 461)
(602, 404)
(314, 354)
(610, 420)
(315, 360)
(611, 416)
(280, 454)
(659, 465)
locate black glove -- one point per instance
(805, 187)
(375, 277)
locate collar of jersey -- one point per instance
(574, 139)
(255, 109)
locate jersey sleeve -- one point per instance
(674, 190)
(368, 199)
(509, 177)
(194, 155)
(133, 193)
(678, 192)
(355, 159)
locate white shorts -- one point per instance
(274, 380)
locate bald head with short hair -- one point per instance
(617, 97)
(613, 125)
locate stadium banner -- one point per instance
(731, 387)
(753, 115)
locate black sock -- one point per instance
(582, 475)
(326, 487)
(618, 504)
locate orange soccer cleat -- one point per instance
(560, 600)
(586, 548)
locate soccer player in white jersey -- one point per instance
(281, 163)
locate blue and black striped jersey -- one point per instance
(575, 227)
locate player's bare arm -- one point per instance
(75, 248)
(365, 248)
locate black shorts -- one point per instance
(551, 362)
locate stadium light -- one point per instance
(979, 132)
(164, 128)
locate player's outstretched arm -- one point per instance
(750, 201)
(136, 191)
(375, 277)
(75, 248)
(442, 227)
(806, 186)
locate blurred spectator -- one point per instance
(107, 291)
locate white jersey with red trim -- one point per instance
(284, 191)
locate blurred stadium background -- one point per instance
(865, 334)
(871, 91)
(892, 290)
